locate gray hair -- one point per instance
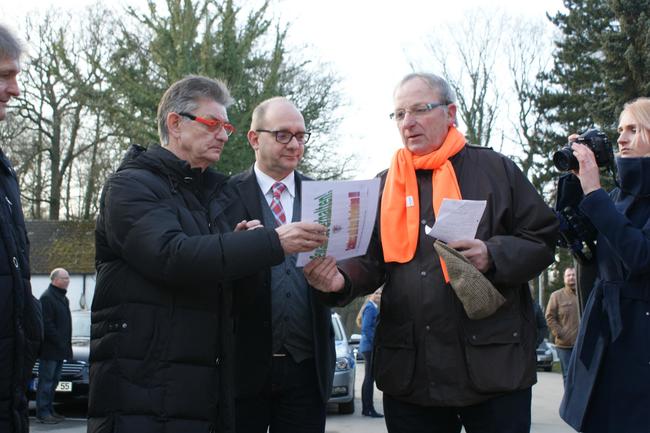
(55, 273)
(185, 95)
(434, 81)
(10, 47)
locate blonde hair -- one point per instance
(639, 109)
(365, 302)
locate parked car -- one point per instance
(545, 356)
(74, 373)
(353, 342)
(344, 374)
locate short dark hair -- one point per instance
(184, 96)
(10, 47)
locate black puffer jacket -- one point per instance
(161, 322)
(20, 320)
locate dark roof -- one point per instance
(61, 244)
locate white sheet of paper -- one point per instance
(457, 219)
(347, 208)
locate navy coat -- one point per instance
(21, 326)
(608, 385)
(368, 325)
(57, 323)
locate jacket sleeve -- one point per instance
(552, 316)
(145, 230)
(531, 228)
(630, 244)
(368, 321)
(49, 325)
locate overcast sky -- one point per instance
(368, 44)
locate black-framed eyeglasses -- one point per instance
(213, 124)
(416, 110)
(285, 137)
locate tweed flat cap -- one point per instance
(477, 294)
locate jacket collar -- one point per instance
(157, 158)
(634, 176)
(5, 164)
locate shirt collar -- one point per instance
(266, 182)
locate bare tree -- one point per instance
(59, 101)
(527, 59)
(466, 54)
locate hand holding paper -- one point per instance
(475, 251)
(322, 274)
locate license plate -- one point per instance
(64, 387)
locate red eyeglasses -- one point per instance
(213, 124)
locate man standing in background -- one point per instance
(57, 345)
(562, 318)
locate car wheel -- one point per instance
(346, 408)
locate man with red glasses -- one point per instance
(284, 345)
(161, 340)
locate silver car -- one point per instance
(344, 374)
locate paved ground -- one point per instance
(546, 399)
(547, 394)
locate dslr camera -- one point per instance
(595, 140)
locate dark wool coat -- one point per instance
(427, 351)
(21, 327)
(608, 385)
(161, 339)
(253, 336)
(57, 324)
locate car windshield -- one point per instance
(81, 325)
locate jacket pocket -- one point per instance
(495, 356)
(394, 357)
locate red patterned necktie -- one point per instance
(276, 204)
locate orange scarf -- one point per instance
(400, 206)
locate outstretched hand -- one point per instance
(301, 237)
(323, 274)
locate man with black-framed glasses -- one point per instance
(284, 344)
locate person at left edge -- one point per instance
(21, 326)
(284, 341)
(161, 338)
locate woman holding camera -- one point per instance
(608, 387)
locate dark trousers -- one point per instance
(290, 403)
(565, 356)
(367, 389)
(49, 373)
(509, 413)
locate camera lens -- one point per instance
(564, 160)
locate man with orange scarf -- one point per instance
(439, 369)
